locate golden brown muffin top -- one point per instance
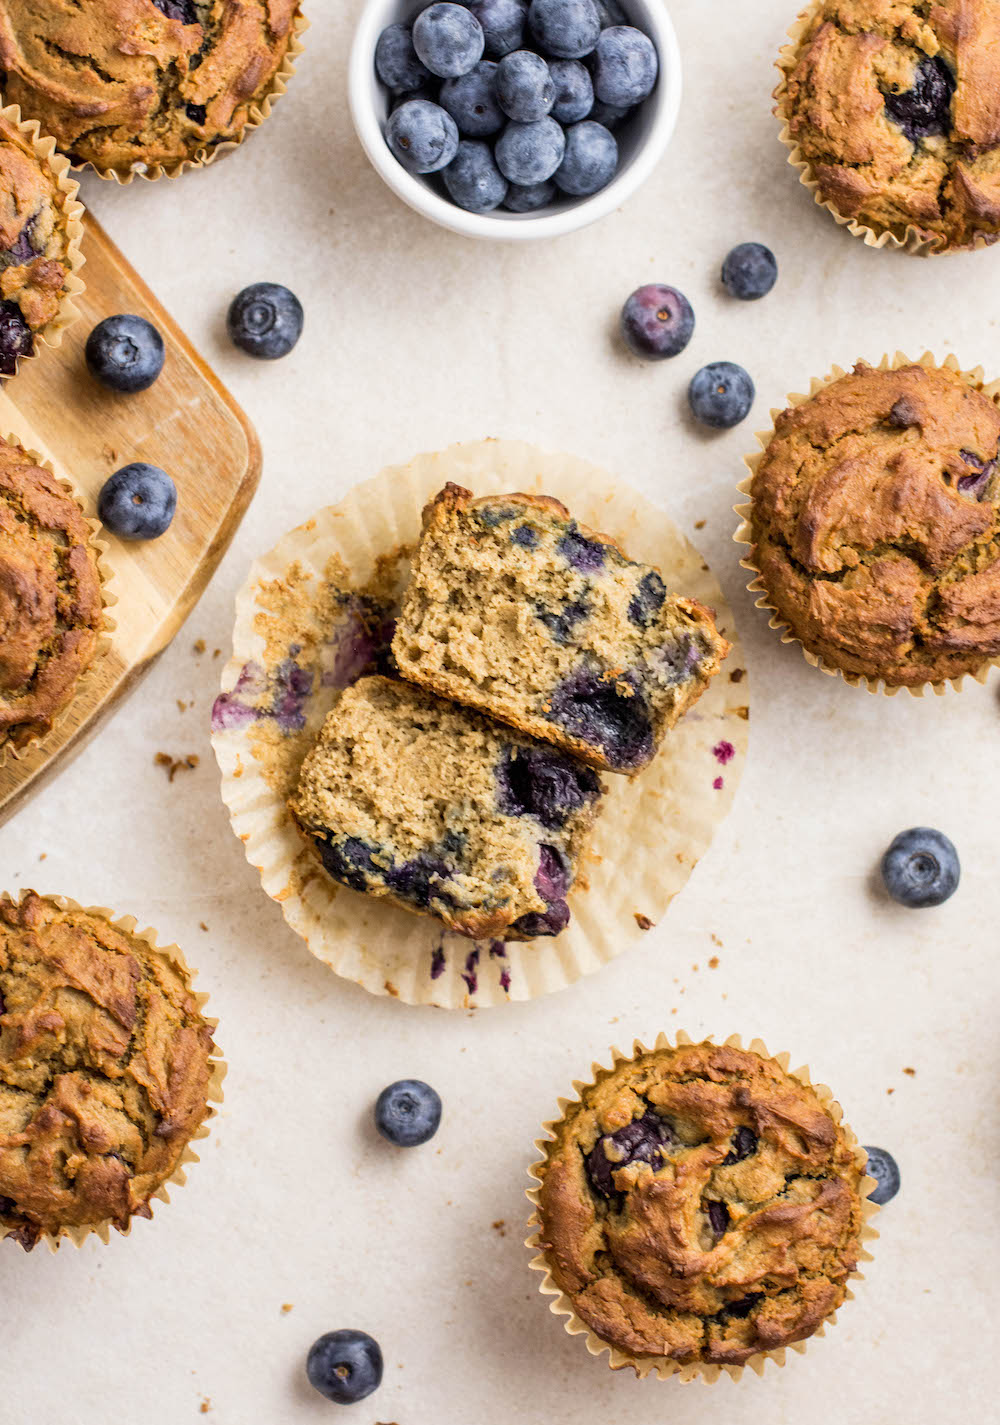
(896, 106)
(701, 1204)
(50, 596)
(119, 82)
(876, 528)
(104, 1069)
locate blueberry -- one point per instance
(351, 861)
(882, 1166)
(526, 535)
(125, 353)
(612, 116)
(926, 108)
(590, 160)
(137, 502)
(419, 880)
(574, 90)
(471, 101)
(647, 601)
(473, 179)
(644, 1140)
(720, 394)
(448, 39)
(921, 868)
(745, 1142)
(183, 10)
(265, 320)
(503, 23)
(718, 1216)
(976, 485)
(423, 136)
(625, 66)
(345, 1366)
(611, 13)
(749, 271)
(565, 29)
(528, 198)
(600, 712)
(15, 338)
(534, 781)
(525, 91)
(530, 153)
(408, 1113)
(396, 61)
(552, 881)
(584, 555)
(657, 322)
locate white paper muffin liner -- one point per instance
(648, 838)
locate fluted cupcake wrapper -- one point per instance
(128, 925)
(744, 532)
(649, 835)
(903, 238)
(561, 1305)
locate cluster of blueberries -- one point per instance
(532, 120)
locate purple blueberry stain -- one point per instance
(470, 974)
(718, 784)
(723, 752)
(239, 707)
(526, 536)
(584, 555)
(437, 961)
(294, 685)
(498, 951)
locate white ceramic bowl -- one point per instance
(642, 140)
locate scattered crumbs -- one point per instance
(717, 784)
(695, 968)
(716, 940)
(500, 1227)
(725, 996)
(912, 1072)
(286, 1307)
(674, 1010)
(173, 765)
(705, 568)
(890, 1090)
(744, 713)
(643, 921)
(216, 652)
(699, 524)
(713, 964)
(181, 706)
(615, 1020)
(43, 855)
(202, 925)
(205, 1406)
(391, 989)
(199, 646)
(110, 454)
(737, 675)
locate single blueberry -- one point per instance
(718, 1216)
(448, 39)
(183, 10)
(197, 113)
(503, 23)
(22, 249)
(744, 1143)
(15, 338)
(749, 271)
(721, 394)
(137, 502)
(574, 90)
(530, 153)
(644, 1140)
(419, 880)
(921, 868)
(977, 485)
(408, 1113)
(471, 101)
(396, 61)
(657, 322)
(561, 625)
(612, 116)
(926, 108)
(528, 199)
(548, 785)
(584, 555)
(265, 320)
(345, 1366)
(525, 90)
(590, 162)
(625, 66)
(472, 178)
(423, 136)
(647, 601)
(882, 1166)
(351, 861)
(739, 1309)
(565, 29)
(598, 711)
(125, 353)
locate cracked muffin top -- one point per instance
(701, 1204)
(896, 107)
(121, 82)
(105, 1068)
(34, 245)
(875, 524)
(50, 597)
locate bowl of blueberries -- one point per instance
(514, 119)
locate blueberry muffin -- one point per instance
(37, 209)
(105, 1070)
(417, 801)
(895, 107)
(875, 526)
(151, 82)
(515, 609)
(700, 1205)
(50, 597)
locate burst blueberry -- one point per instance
(565, 29)
(503, 23)
(921, 868)
(882, 1166)
(644, 1140)
(657, 322)
(448, 39)
(574, 90)
(524, 87)
(599, 712)
(544, 784)
(749, 271)
(625, 66)
(15, 338)
(345, 1366)
(530, 153)
(528, 198)
(125, 353)
(423, 136)
(647, 601)
(472, 178)
(471, 100)
(408, 1113)
(590, 160)
(137, 502)
(397, 63)
(721, 394)
(926, 108)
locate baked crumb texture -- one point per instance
(895, 106)
(34, 242)
(874, 524)
(105, 1069)
(418, 801)
(157, 82)
(516, 610)
(701, 1205)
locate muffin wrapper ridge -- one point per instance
(744, 534)
(909, 239)
(108, 597)
(45, 151)
(128, 925)
(664, 1366)
(260, 111)
(646, 841)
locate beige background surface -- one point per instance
(415, 339)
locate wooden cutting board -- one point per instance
(188, 424)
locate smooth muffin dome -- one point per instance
(875, 524)
(895, 105)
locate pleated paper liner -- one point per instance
(744, 533)
(298, 641)
(127, 925)
(44, 149)
(259, 111)
(902, 237)
(108, 599)
(663, 1366)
